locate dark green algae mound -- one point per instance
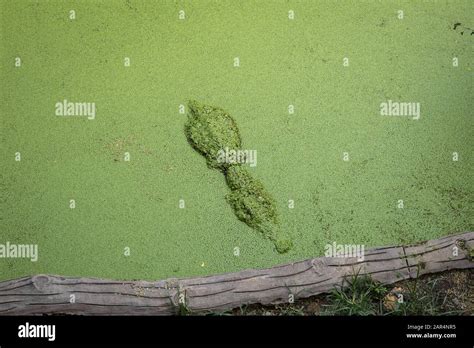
(210, 129)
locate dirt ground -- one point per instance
(447, 293)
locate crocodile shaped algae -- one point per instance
(209, 130)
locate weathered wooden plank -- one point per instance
(50, 294)
(440, 255)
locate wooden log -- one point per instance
(51, 294)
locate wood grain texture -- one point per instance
(51, 294)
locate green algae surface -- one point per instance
(136, 204)
(210, 130)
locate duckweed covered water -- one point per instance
(135, 206)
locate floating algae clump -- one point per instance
(254, 205)
(210, 130)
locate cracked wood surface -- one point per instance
(52, 294)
